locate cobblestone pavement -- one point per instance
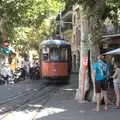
(59, 104)
(24, 99)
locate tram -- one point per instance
(55, 60)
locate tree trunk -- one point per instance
(116, 22)
(83, 56)
(95, 36)
(3, 28)
(91, 34)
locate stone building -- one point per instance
(76, 38)
(71, 32)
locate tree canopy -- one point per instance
(110, 6)
(27, 21)
(33, 18)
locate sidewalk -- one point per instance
(63, 106)
(71, 110)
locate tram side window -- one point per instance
(45, 54)
(64, 54)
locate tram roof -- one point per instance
(54, 42)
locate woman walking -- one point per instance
(116, 81)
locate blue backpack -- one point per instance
(101, 70)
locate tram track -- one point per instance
(24, 93)
(32, 98)
(20, 92)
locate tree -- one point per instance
(24, 21)
(11, 12)
(39, 19)
(93, 13)
(112, 8)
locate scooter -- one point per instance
(6, 80)
(18, 75)
(2, 81)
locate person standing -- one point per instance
(116, 82)
(99, 76)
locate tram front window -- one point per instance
(54, 54)
(58, 54)
(64, 54)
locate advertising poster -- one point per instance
(84, 71)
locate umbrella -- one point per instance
(113, 52)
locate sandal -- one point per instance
(106, 108)
(96, 110)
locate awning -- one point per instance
(113, 52)
(111, 39)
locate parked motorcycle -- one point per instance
(2, 80)
(6, 75)
(18, 75)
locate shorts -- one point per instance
(116, 85)
(100, 85)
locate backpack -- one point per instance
(101, 69)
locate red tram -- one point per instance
(55, 59)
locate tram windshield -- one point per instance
(55, 54)
(64, 54)
(58, 54)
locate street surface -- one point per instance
(33, 100)
(24, 99)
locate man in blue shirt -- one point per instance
(99, 76)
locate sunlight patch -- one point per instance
(35, 106)
(2, 109)
(49, 111)
(70, 89)
(20, 115)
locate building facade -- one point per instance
(71, 31)
(76, 38)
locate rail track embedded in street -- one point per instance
(41, 95)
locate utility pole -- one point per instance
(61, 27)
